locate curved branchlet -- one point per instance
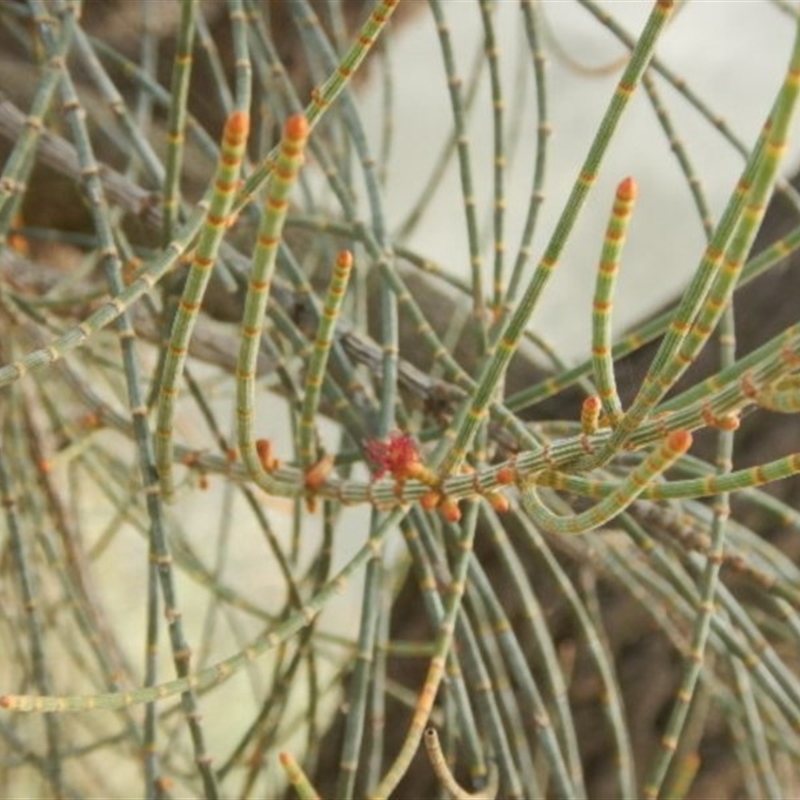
(323, 96)
(436, 668)
(660, 460)
(179, 94)
(217, 221)
(602, 303)
(439, 764)
(276, 203)
(224, 669)
(710, 291)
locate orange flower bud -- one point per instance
(505, 475)
(266, 456)
(448, 508)
(430, 500)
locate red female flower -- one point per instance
(398, 455)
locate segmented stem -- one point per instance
(661, 459)
(701, 630)
(179, 95)
(222, 670)
(371, 612)
(419, 534)
(473, 413)
(319, 356)
(602, 303)
(234, 140)
(322, 96)
(20, 545)
(651, 330)
(749, 478)
(709, 292)
(445, 775)
(276, 203)
(19, 162)
(436, 667)
(543, 131)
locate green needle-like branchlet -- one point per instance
(711, 485)
(661, 459)
(181, 72)
(276, 203)
(234, 140)
(607, 273)
(319, 356)
(324, 95)
(436, 667)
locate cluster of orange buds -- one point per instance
(399, 456)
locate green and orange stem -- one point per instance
(602, 338)
(438, 663)
(222, 670)
(297, 777)
(661, 459)
(319, 357)
(445, 775)
(554, 458)
(176, 123)
(276, 203)
(216, 222)
(720, 268)
(650, 331)
(324, 95)
(155, 270)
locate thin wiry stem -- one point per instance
(179, 93)
(319, 357)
